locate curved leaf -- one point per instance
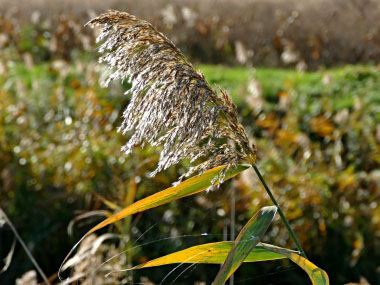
(189, 187)
(210, 253)
(246, 241)
(316, 274)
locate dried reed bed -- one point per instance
(272, 33)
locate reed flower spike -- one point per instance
(172, 105)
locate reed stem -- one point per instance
(282, 215)
(28, 253)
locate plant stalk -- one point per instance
(28, 253)
(282, 215)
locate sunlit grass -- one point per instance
(340, 84)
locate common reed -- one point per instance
(172, 106)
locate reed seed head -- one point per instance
(171, 105)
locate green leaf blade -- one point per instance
(246, 241)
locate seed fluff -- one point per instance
(172, 105)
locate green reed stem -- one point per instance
(292, 234)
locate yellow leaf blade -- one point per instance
(209, 253)
(189, 187)
(316, 274)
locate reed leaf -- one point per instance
(189, 187)
(245, 242)
(316, 274)
(210, 253)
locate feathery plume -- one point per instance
(171, 105)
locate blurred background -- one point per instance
(306, 78)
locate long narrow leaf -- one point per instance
(316, 274)
(189, 187)
(246, 241)
(210, 253)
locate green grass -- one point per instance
(346, 84)
(234, 79)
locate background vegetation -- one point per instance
(317, 132)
